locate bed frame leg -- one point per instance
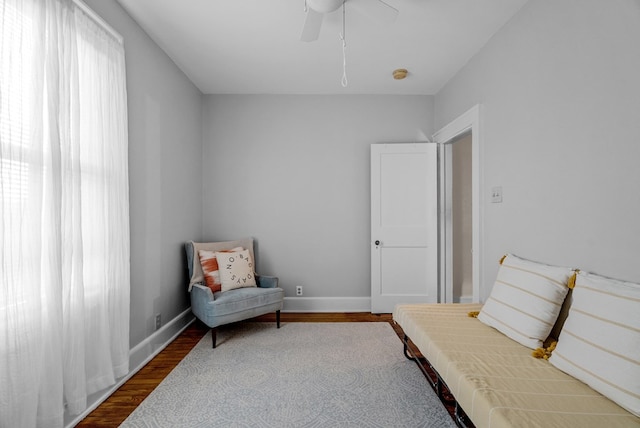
(405, 341)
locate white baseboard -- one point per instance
(139, 356)
(327, 304)
(465, 299)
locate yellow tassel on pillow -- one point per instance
(572, 281)
(544, 353)
(473, 314)
(502, 259)
(538, 353)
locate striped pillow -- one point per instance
(600, 341)
(526, 299)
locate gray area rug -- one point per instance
(302, 375)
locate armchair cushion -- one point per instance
(221, 308)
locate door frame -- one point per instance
(469, 121)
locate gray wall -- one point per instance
(293, 172)
(165, 173)
(561, 105)
(560, 93)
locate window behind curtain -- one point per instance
(64, 219)
(16, 103)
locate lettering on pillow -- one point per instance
(236, 270)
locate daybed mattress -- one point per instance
(495, 380)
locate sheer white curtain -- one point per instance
(64, 226)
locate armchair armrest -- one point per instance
(202, 292)
(201, 302)
(265, 281)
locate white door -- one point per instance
(404, 225)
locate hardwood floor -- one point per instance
(120, 404)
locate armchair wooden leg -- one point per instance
(213, 336)
(278, 318)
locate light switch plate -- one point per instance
(496, 194)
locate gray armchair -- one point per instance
(224, 307)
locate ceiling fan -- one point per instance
(316, 9)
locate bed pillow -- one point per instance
(600, 341)
(526, 299)
(209, 264)
(236, 270)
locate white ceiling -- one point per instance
(254, 47)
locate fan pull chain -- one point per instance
(343, 37)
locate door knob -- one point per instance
(377, 242)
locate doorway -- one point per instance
(461, 224)
(457, 255)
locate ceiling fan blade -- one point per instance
(376, 9)
(312, 25)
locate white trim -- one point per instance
(327, 304)
(466, 299)
(101, 22)
(139, 356)
(144, 351)
(445, 232)
(468, 121)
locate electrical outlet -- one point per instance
(158, 321)
(299, 290)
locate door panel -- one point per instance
(399, 188)
(404, 225)
(409, 271)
